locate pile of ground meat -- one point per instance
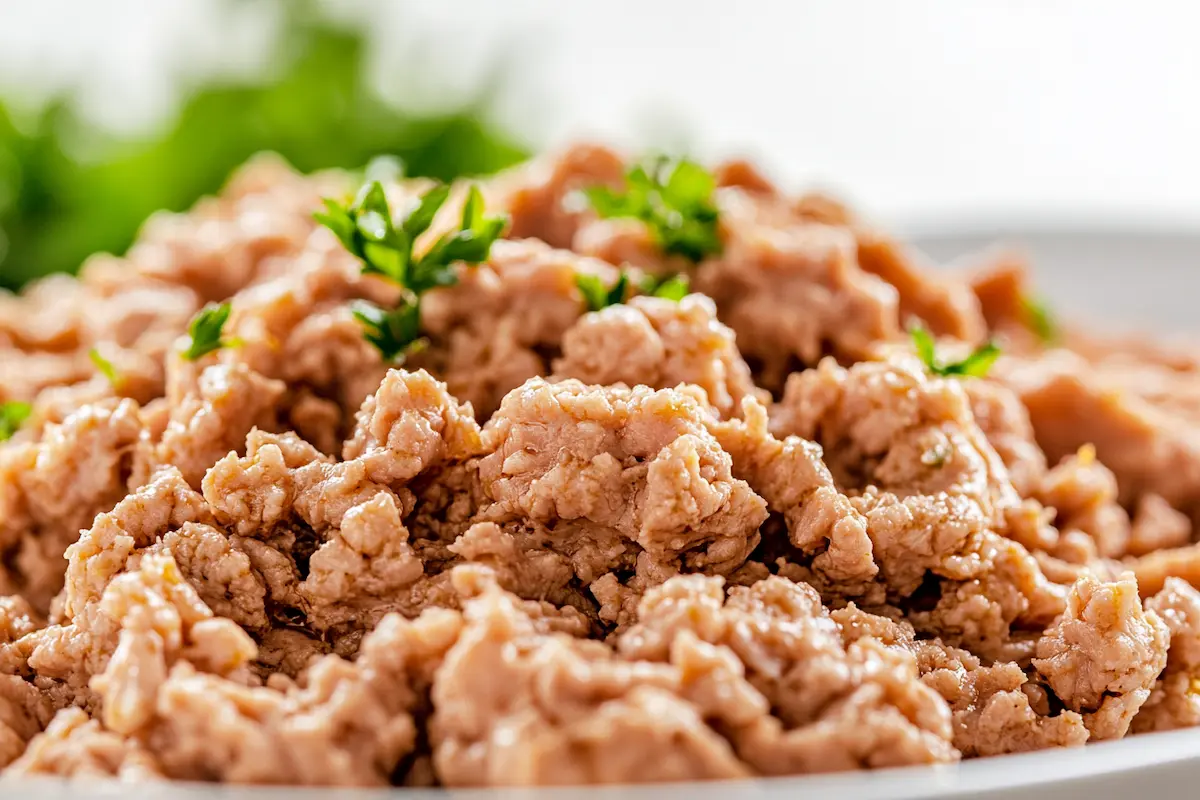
(745, 533)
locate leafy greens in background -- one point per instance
(317, 111)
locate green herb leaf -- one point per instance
(597, 296)
(595, 293)
(366, 229)
(12, 416)
(395, 333)
(975, 365)
(1041, 321)
(674, 199)
(470, 245)
(616, 294)
(204, 332)
(105, 366)
(421, 217)
(674, 287)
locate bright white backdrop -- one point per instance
(919, 110)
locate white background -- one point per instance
(919, 111)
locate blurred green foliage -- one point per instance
(316, 110)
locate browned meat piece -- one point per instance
(1005, 422)
(363, 565)
(791, 289)
(344, 724)
(1157, 526)
(341, 724)
(121, 646)
(795, 293)
(504, 320)
(994, 707)
(1083, 493)
(624, 478)
(161, 619)
(837, 705)
(53, 487)
(997, 614)
(24, 712)
(513, 706)
(1148, 448)
(930, 482)
(298, 328)
(1153, 569)
(792, 478)
(133, 308)
(162, 505)
(541, 196)
(1001, 282)
(212, 410)
(1174, 701)
(943, 302)
(75, 746)
(225, 243)
(223, 576)
(1104, 655)
(659, 343)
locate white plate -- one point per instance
(1116, 280)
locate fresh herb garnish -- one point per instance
(1041, 320)
(105, 366)
(975, 365)
(367, 229)
(597, 296)
(675, 200)
(12, 416)
(204, 332)
(673, 287)
(394, 333)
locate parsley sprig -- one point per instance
(597, 296)
(975, 365)
(366, 228)
(395, 332)
(12, 416)
(106, 367)
(205, 331)
(671, 287)
(675, 200)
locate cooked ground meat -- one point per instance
(745, 532)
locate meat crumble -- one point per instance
(748, 529)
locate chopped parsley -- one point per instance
(975, 365)
(396, 332)
(105, 366)
(597, 296)
(366, 228)
(673, 287)
(674, 198)
(12, 416)
(205, 331)
(1041, 321)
